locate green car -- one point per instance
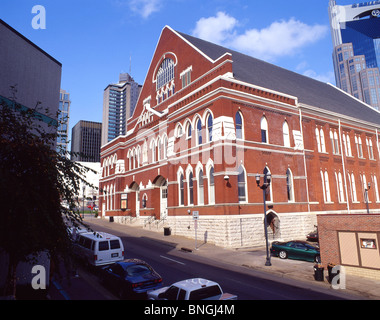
(300, 250)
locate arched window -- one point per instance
(353, 189)
(188, 130)
(181, 190)
(326, 186)
(349, 151)
(370, 148)
(318, 139)
(336, 143)
(289, 185)
(190, 184)
(285, 134)
(164, 146)
(364, 188)
(323, 144)
(345, 144)
(332, 142)
(199, 131)
(376, 188)
(339, 183)
(165, 73)
(159, 149)
(264, 130)
(209, 127)
(239, 125)
(145, 153)
(359, 147)
(178, 130)
(153, 150)
(211, 186)
(200, 188)
(242, 185)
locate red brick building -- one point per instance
(352, 241)
(209, 119)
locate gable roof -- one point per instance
(309, 91)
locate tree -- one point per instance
(34, 179)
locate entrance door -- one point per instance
(137, 203)
(164, 200)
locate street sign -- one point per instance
(195, 215)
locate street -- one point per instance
(174, 265)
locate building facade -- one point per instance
(63, 121)
(119, 101)
(351, 241)
(209, 120)
(85, 141)
(355, 33)
(29, 76)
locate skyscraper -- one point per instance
(119, 101)
(355, 31)
(63, 121)
(85, 141)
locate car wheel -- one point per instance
(317, 259)
(283, 254)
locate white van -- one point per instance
(99, 248)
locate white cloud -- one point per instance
(145, 7)
(215, 29)
(281, 38)
(327, 77)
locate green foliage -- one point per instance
(34, 179)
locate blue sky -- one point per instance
(96, 39)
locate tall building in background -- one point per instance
(63, 121)
(85, 141)
(119, 101)
(355, 31)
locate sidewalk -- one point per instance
(254, 258)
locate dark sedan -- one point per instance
(300, 250)
(131, 278)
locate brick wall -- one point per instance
(329, 227)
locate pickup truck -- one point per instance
(191, 289)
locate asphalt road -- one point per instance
(174, 265)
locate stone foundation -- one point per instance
(238, 231)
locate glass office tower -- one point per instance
(119, 101)
(63, 121)
(355, 33)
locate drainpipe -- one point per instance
(304, 160)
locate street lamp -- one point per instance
(366, 196)
(264, 186)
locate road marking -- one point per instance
(60, 289)
(172, 260)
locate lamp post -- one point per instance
(264, 186)
(366, 196)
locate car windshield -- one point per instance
(137, 270)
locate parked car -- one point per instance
(313, 236)
(191, 289)
(131, 278)
(98, 248)
(300, 250)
